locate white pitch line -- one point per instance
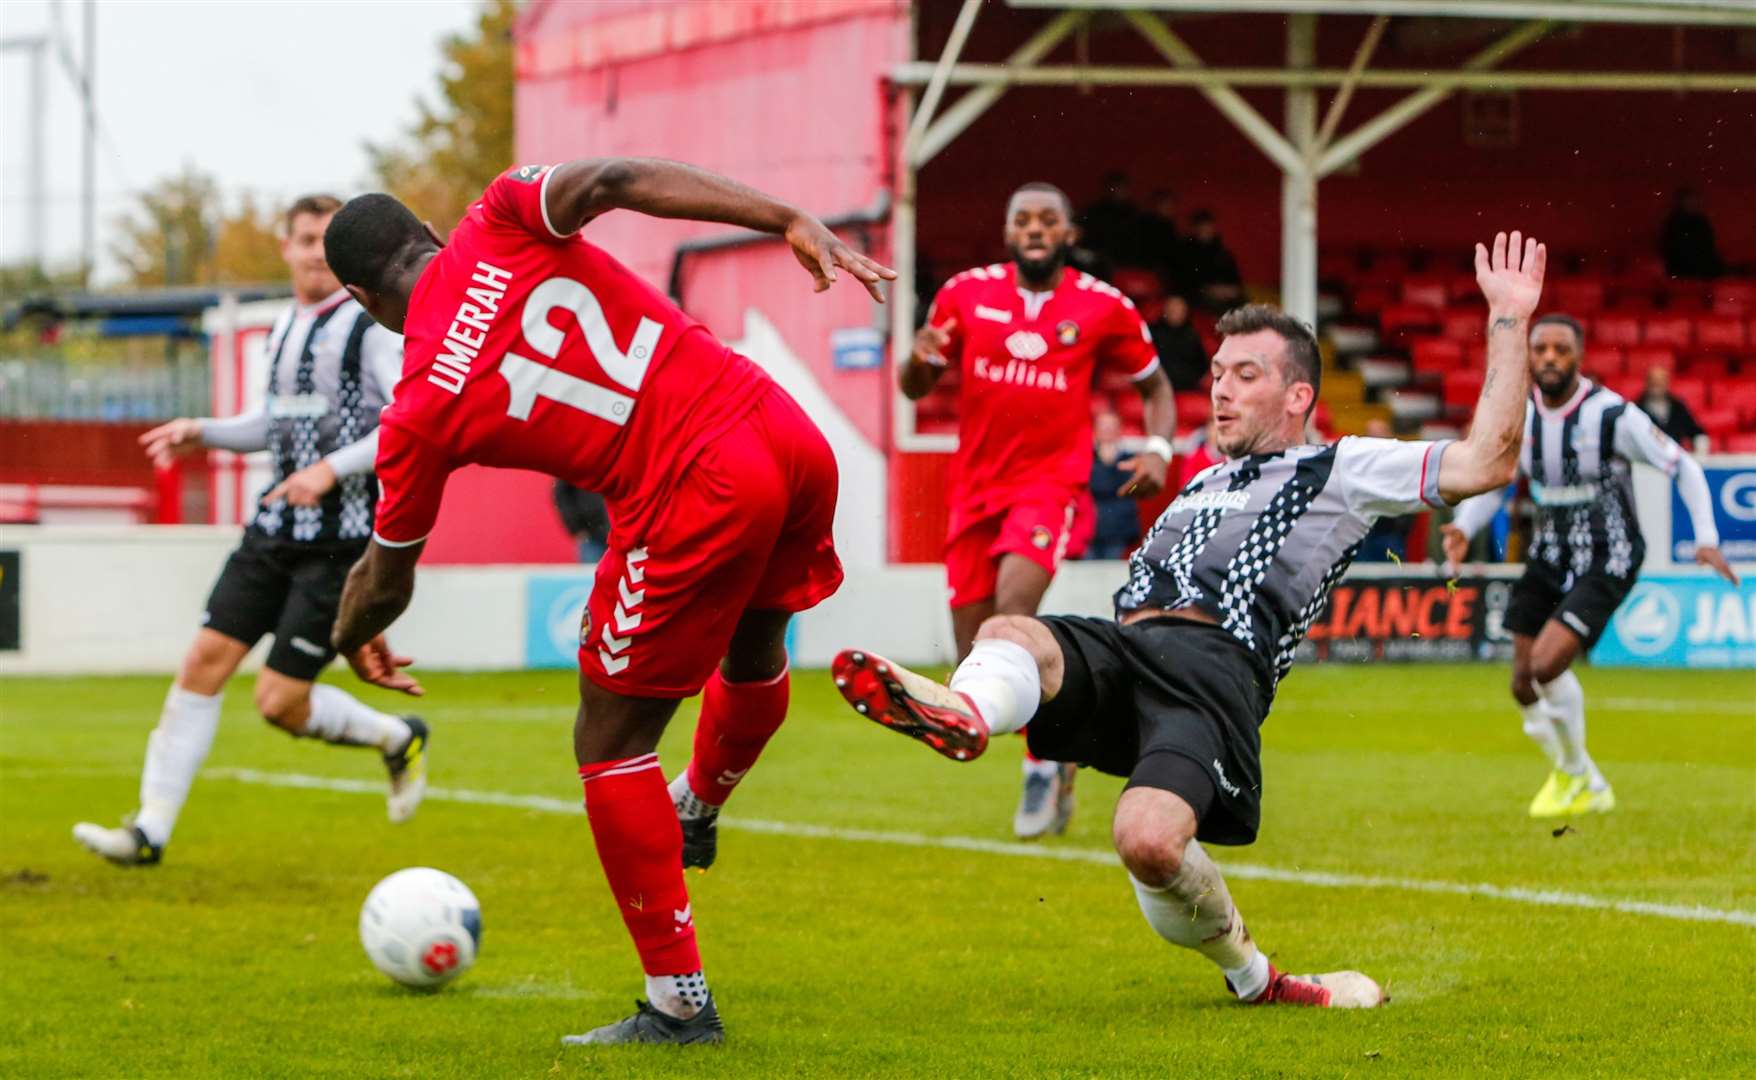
(1242, 871)
(1665, 705)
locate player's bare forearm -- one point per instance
(581, 190)
(378, 590)
(1158, 406)
(1511, 277)
(917, 379)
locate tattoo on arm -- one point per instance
(1503, 323)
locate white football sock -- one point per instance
(689, 805)
(681, 996)
(1001, 678)
(1566, 699)
(1196, 912)
(1540, 726)
(339, 717)
(174, 753)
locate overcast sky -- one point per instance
(271, 96)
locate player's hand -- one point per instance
(1511, 275)
(930, 342)
(1456, 547)
(305, 487)
(165, 443)
(1146, 475)
(1710, 556)
(373, 662)
(820, 252)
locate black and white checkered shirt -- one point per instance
(1258, 542)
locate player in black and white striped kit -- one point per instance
(1172, 692)
(331, 370)
(1579, 441)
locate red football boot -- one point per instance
(911, 704)
(1336, 990)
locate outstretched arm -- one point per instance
(379, 588)
(577, 191)
(1511, 277)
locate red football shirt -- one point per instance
(527, 349)
(1028, 360)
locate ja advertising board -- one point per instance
(1678, 621)
(1734, 510)
(1412, 617)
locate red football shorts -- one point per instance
(746, 526)
(1036, 526)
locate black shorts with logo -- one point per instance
(1585, 608)
(289, 589)
(1170, 704)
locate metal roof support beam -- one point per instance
(1345, 92)
(1666, 12)
(1671, 82)
(1232, 106)
(1404, 112)
(1298, 186)
(972, 105)
(966, 18)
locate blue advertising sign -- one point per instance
(1734, 512)
(856, 348)
(554, 608)
(1683, 622)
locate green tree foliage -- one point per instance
(180, 233)
(460, 144)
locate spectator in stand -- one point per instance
(1669, 412)
(1161, 242)
(1181, 352)
(1118, 518)
(1687, 243)
(1388, 539)
(585, 518)
(1212, 278)
(1110, 227)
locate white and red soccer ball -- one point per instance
(422, 927)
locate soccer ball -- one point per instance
(421, 927)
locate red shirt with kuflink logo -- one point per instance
(1028, 360)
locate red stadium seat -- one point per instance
(1720, 332)
(1435, 356)
(1719, 423)
(1462, 324)
(1138, 285)
(1132, 411)
(1677, 331)
(1369, 299)
(1579, 296)
(1193, 409)
(1613, 328)
(1465, 291)
(1462, 388)
(1734, 297)
(1740, 397)
(1398, 320)
(1692, 391)
(1743, 442)
(1606, 360)
(1424, 291)
(1682, 298)
(1643, 358)
(1713, 369)
(1629, 386)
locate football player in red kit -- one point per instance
(527, 347)
(1027, 337)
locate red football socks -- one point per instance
(640, 845)
(737, 720)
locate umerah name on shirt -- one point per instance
(469, 327)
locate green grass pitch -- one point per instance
(844, 953)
